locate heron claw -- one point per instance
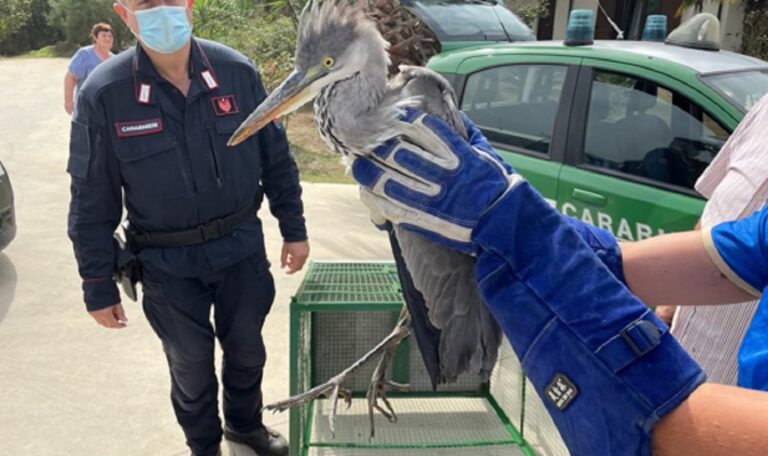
(333, 389)
(380, 385)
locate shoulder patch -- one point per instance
(139, 127)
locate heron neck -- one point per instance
(362, 92)
(346, 110)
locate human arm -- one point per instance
(94, 212)
(677, 268)
(280, 181)
(70, 81)
(667, 312)
(76, 71)
(715, 420)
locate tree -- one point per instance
(76, 17)
(755, 36)
(529, 12)
(24, 26)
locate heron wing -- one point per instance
(434, 92)
(470, 336)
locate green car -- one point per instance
(614, 133)
(459, 24)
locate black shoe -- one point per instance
(264, 441)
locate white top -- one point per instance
(736, 185)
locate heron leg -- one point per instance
(379, 384)
(334, 388)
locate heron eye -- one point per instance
(328, 62)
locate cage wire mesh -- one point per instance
(340, 312)
(340, 338)
(507, 384)
(538, 428)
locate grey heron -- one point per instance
(342, 63)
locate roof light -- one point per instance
(702, 31)
(581, 28)
(655, 28)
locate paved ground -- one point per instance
(67, 386)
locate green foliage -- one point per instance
(76, 17)
(60, 49)
(24, 26)
(216, 18)
(262, 33)
(755, 36)
(529, 12)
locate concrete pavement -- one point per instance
(68, 386)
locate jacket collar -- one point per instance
(146, 76)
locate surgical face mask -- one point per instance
(164, 29)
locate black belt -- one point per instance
(211, 231)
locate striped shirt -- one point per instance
(736, 185)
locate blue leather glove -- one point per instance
(605, 366)
(476, 139)
(410, 183)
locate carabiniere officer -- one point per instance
(150, 128)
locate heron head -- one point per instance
(335, 41)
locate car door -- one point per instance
(636, 145)
(521, 104)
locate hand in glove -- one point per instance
(603, 363)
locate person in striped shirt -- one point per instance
(706, 269)
(736, 185)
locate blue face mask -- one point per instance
(164, 29)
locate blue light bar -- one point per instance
(581, 28)
(655, 28)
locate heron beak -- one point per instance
(293, 93)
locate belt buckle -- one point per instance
(212, 231)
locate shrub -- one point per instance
(24, 26)
(76, 17)
(529, 12)
(755, 36)
(263, 34)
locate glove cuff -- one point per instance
(594, 353)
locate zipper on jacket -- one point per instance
(215, 161)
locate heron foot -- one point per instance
(379, 387)
(333, 389)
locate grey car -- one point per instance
(7, 210)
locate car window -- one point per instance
(638, 127)
(744, 88)
(516, 105)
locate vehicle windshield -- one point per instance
(744, 88)
(470, 20)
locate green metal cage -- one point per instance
(343, 309)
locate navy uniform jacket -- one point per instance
(131, 140)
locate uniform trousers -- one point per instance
(179, 311)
